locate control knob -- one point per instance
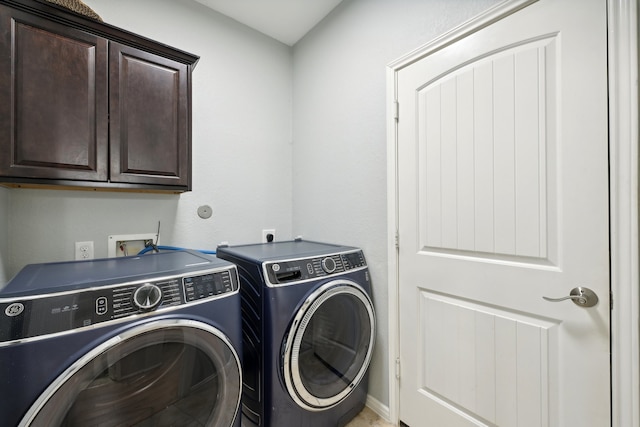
(328, 265)
(147, 296)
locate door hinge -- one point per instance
(610, 301)
(397, 368)
(397, 240)
(396, 110)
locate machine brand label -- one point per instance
(14, 309)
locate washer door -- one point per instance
(162, 373)
(328, 349)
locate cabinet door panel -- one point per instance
(149, 125)
(53, 114)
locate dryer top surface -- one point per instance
(284, 250)
(36, 278)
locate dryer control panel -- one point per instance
(285, 272)
(38, 315)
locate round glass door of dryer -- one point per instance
(163, 373)
(329, 345)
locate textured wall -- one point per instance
(331, 186)
(241, 147)
(340, 146)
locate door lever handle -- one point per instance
(584, 297)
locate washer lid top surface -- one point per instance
(283, 250)
(59, 276)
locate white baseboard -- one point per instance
(376, 406)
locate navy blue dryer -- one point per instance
(152, 340)
(308, 332)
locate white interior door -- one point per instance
(503, 199)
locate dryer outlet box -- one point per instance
(128, 244)
(268, 235)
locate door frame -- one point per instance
(624, 214)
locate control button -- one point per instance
(101, 306)
(147, 296)
(275, 267)
(310, 268)
(329, 265)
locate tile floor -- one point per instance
(368, 418)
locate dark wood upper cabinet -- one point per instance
(54, 103)
(149, 110)
(85, 104)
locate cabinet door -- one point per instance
(149, 118)
(53, 100)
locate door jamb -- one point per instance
(624, 215)
(623, 179)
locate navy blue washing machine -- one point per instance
(152, 340)
(308, 332)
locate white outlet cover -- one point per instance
(84, 250)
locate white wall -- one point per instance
(339, 135)
(242, 94)
(331, 186)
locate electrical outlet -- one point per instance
(268, 235)
(84, 250)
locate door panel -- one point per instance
(149, 118)
(53, 86)
(503, 199)
(494, 110)
(470, 361)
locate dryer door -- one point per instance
(329, 345)
(162, 373)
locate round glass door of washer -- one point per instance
(329, 346)
(162, 373)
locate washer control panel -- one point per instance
(32, 316)
(290, 271)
